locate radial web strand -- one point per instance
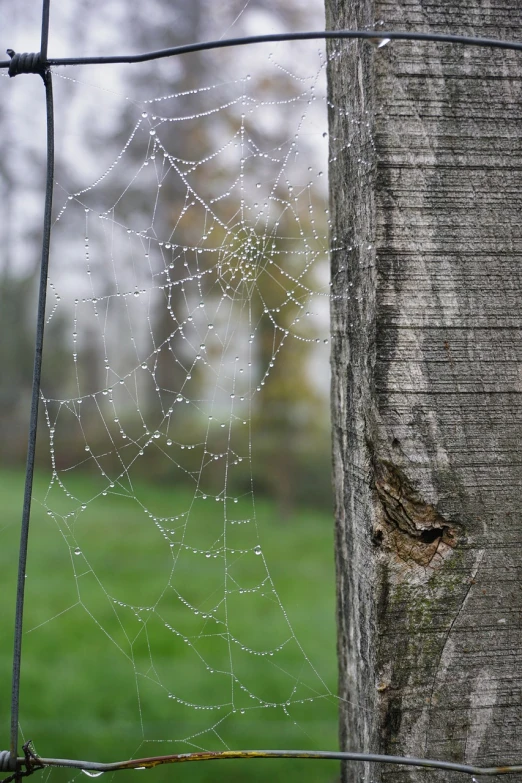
(189, 275)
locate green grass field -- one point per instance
(105, 676)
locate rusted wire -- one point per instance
(33, 762)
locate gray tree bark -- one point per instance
(426, 206)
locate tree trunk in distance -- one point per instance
(426, 206)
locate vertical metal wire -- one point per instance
(45, 29)
(37, 372)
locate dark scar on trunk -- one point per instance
(407, 525)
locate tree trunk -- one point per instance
(426, 203)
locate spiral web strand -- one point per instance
(183, 283)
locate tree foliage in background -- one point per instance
(291, 405)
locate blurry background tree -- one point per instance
(102, 565)
(292, 412)
(95, 711)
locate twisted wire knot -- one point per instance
(5, 761)
(24, 62)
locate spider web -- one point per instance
(183, 282)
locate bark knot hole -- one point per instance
(408, 526)
(431, 535)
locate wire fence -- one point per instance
(18, 766)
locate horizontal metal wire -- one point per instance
(371, 35)
(37, 762)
